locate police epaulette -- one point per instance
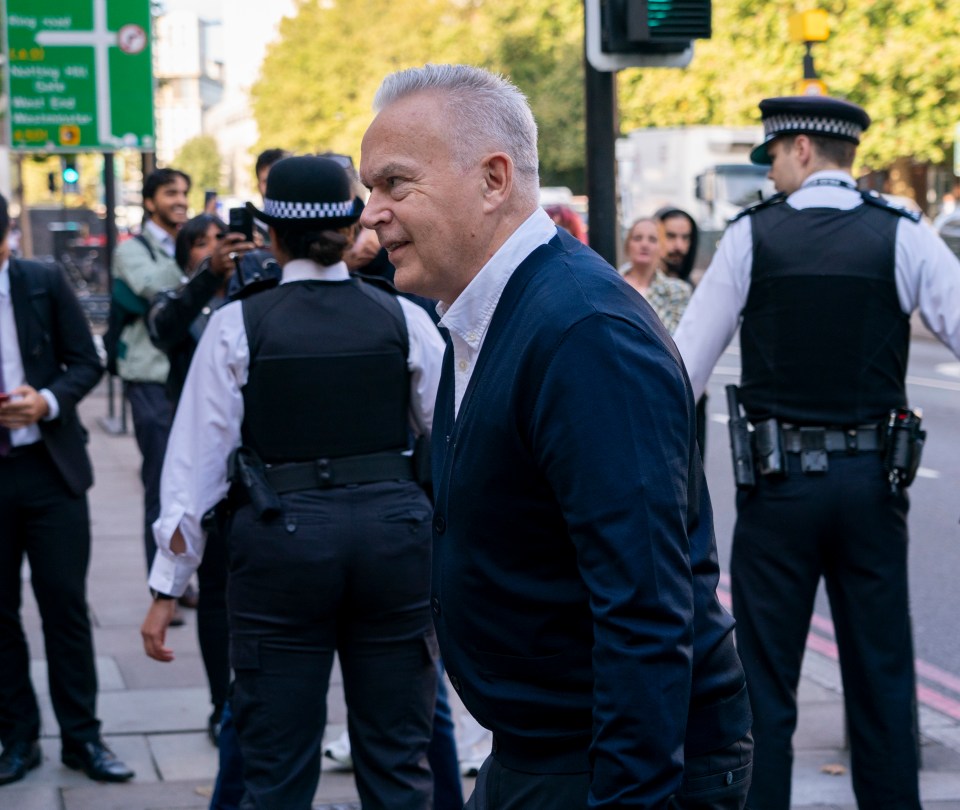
(875, 199)
(776, 199)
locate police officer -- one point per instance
(321, 380)
(821, 281)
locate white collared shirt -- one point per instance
(468, 318)
(167, 243)
(927, 277)
(13, 373)
(209, 416)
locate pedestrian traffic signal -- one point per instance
(653, 26)
(627, 33)
(70, 174)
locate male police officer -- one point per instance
(821, 280)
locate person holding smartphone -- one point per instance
(48, 363)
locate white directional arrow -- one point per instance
(101, 39)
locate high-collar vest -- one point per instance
(823, 339)
(328, 372)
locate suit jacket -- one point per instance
(58, 354)
(575, 569)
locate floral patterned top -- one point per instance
(669, 298)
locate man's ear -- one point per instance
(804, 148)
(498, 180)
(149, 205)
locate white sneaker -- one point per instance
(339, 751)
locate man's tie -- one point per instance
(4, 432)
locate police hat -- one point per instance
(809, 115)
(308, 189)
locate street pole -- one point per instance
(601, 132)
(111, 424)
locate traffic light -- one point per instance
(653, 26)
(70, 175)
(637, 33)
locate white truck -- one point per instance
(704, 170)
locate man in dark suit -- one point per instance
(575, 570)
(48, 363)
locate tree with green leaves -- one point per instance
(319, 78)
(200, 158)
(898, 58)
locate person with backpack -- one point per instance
(142, 267)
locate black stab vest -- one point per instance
(823, 338)
(328, 372)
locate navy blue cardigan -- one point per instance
(575, 569)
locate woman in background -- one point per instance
(668, 296)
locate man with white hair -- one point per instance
(574, 566)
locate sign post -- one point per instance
(80, 75)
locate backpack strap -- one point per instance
(146, 243)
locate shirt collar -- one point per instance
(469, 316)
(164, 239)
(5, 278)
(306, 270)
(837, 175)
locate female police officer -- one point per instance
(320, 383)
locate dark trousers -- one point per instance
(718, 780)
(152, 415)
(228, 789)
(442, 753)
(41, 519)
(846, 527)
(212, 627)
(343, 570)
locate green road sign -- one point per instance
(79, 75)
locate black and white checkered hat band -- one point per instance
(818, 125)
(282, 209)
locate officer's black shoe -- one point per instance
(97, 761)
(18, 758)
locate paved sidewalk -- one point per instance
(154, 715)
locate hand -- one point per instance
(25, 407)
(154, 629)
(225, 257)
(363, 251)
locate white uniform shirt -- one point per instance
(927, 276)
(207, 424)
(468, 318)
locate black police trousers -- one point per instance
(343, 570)
(844, 526)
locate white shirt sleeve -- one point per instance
(928, 279)
(713, 314)
(205, 430)
(424, 362)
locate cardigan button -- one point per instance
(439, 524)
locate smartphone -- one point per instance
(241, 221)
(210, 201)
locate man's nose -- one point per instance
(373, 212)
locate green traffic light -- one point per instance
(70, 175)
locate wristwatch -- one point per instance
(162, 597)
